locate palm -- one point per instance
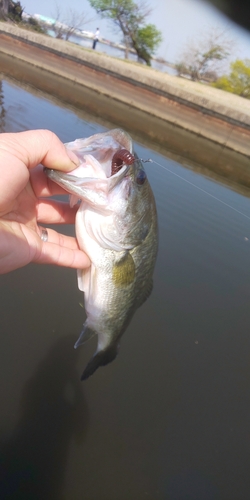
(23, 208)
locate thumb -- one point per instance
(39, 146)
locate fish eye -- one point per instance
(141, 177)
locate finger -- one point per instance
(42, 185)
(61, 250)
(55, 212)
(62, 239)
(38, 146)
(62, 256)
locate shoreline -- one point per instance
(131, 94)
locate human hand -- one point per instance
(24, 203)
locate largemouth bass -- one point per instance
(116, 225)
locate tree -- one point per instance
(238, 81)
(202, 59)
(10, 9)
(145, 41)
(15, 11)
(68, 25)
(129, 18)
(75, 21)
(35, 25)
(4, 8)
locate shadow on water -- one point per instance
(53, 411)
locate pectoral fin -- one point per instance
(124, 271)
(83, 276)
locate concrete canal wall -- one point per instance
(130, 95)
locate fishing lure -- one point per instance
(120, 158)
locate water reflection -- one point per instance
(53, 411)
(193, 151)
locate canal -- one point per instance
(169, 418)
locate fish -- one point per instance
(116, 226)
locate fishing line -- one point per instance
(197, 187)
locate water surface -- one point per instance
(169, 418)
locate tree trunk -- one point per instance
(4, 7)
(126, 52)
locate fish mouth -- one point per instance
(96, 155)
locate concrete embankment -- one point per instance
(130, 95)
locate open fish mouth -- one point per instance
(104, 160)
(110, 152)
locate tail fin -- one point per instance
(101, 358)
